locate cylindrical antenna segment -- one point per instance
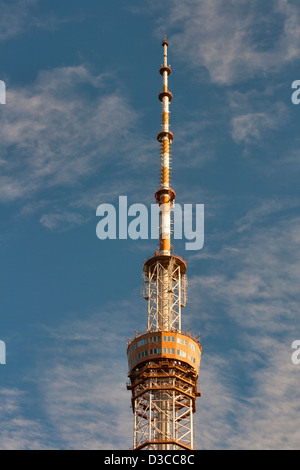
(165, 195)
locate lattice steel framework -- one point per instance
(165, 290)
(164, 394)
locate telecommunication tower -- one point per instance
(164, 361)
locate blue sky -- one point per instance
(78, 130)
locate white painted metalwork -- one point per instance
(165, 291)
(163, 410)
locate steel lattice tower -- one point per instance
(164, 362)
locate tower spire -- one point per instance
(165, 195)
(164, 362)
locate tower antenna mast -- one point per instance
(164, 361)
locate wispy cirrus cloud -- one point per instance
(53, 133)
(80, 386)
(262, 416)
(15, 17)
(258, 284)
(264, 212)
(54, 221)
(77, 384)
(22, 16)
(255, 116)
(255, 287)
(57, 134)
(270, 418)
(235, 40)
(83, 387)
(18, 432)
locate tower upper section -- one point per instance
(165, 195)
(164, 361)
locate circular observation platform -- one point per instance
(165, 260)
(164, 345)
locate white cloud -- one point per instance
(271, 419)
(266, 414)
(254, 116)
(53, 134)
(259, 286)
(255, 287)
(15, 17)
(80, 387)
(22, 16)
(65, 220)
(82, 381)
(262, 211)
(235, 39)
(252, 126)
(18, 432)
(214, 408)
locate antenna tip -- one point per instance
(165, 42)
